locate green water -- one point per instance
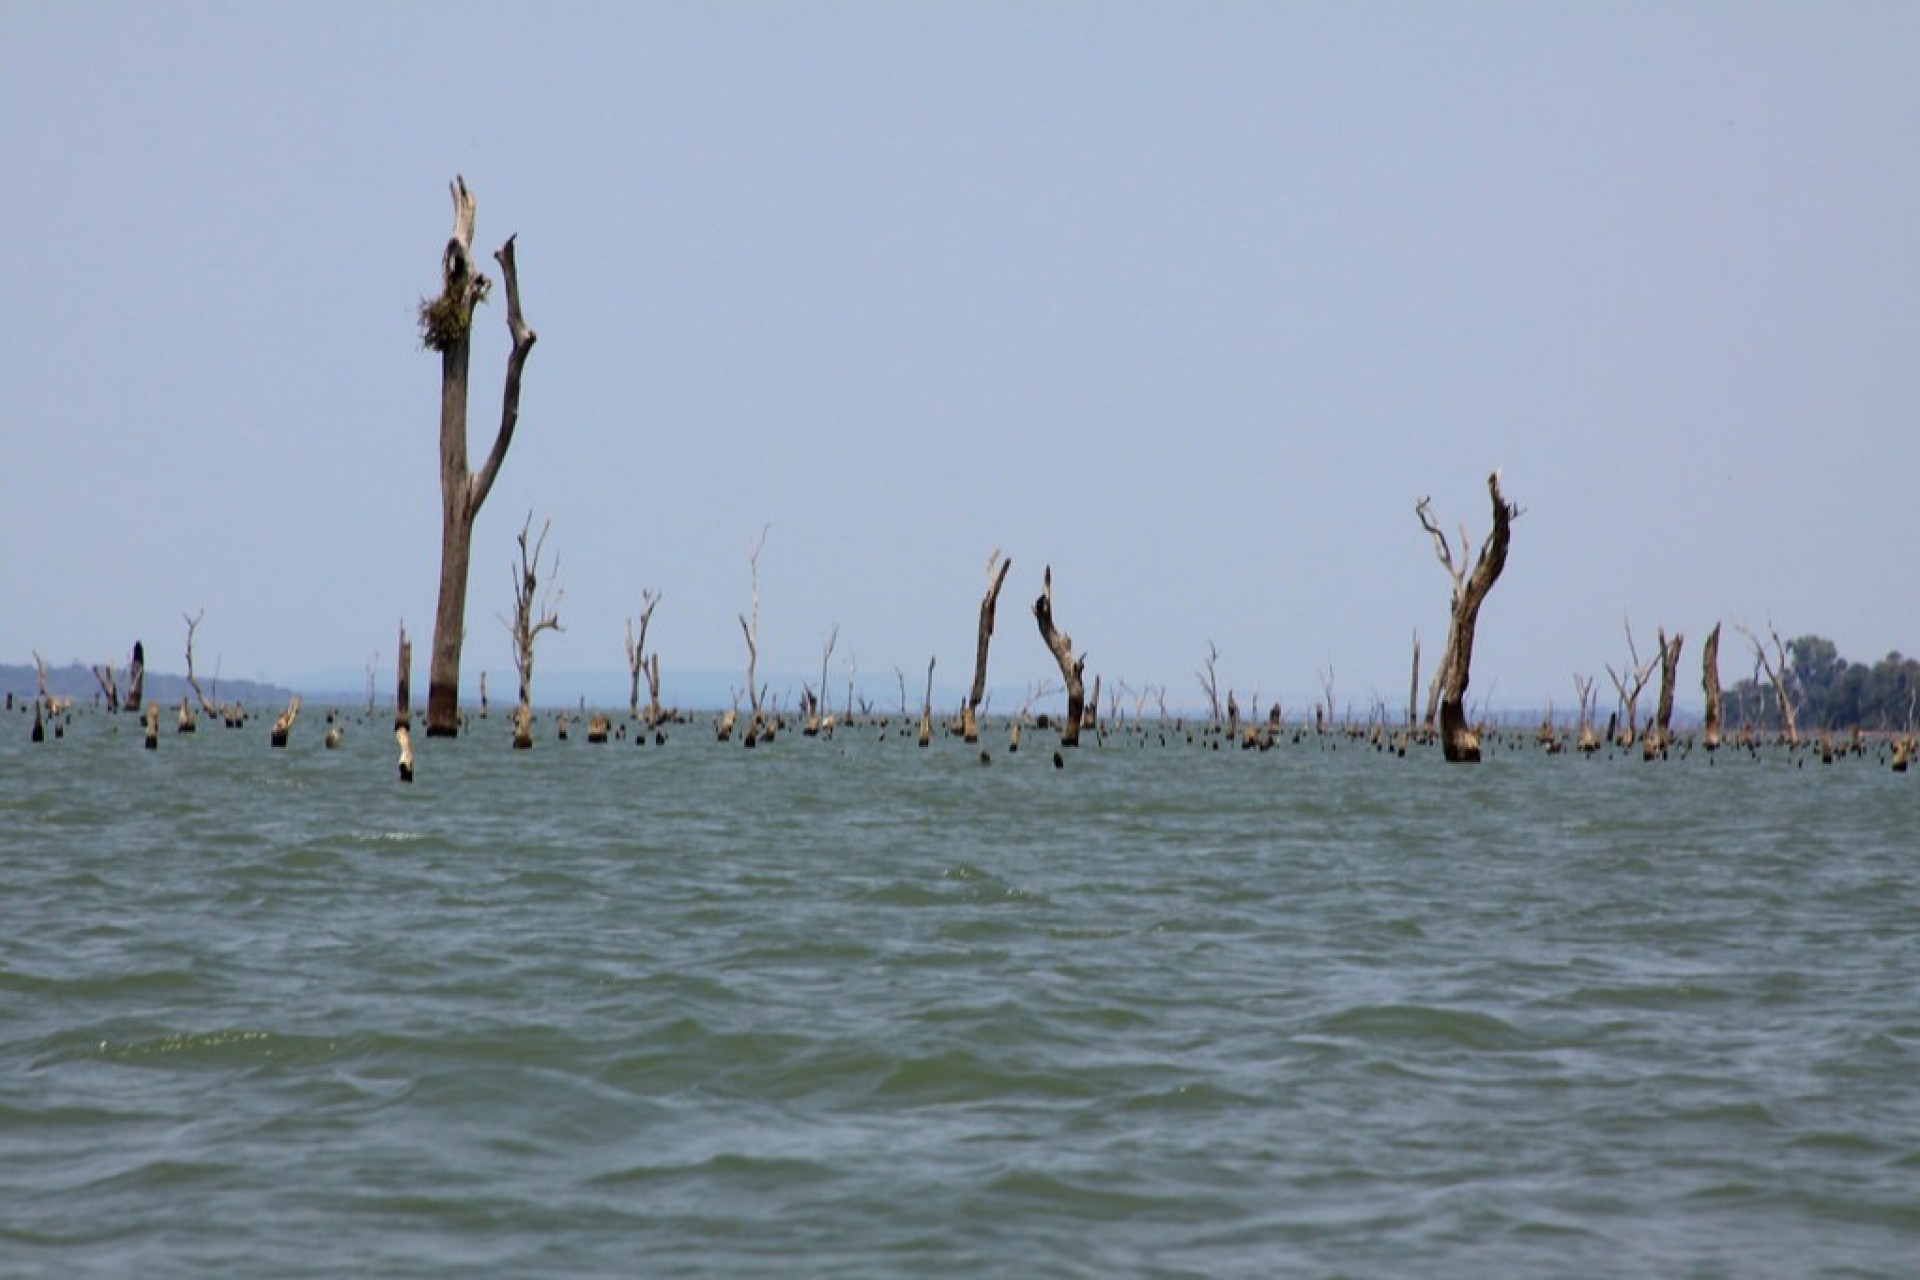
(852, 1008)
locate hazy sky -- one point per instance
(1191, 301)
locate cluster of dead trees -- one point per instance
(446, 322)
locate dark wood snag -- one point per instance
(527, 626)
(1710, 686)
(402, 712)
(1459, 741)
(446, 326)
(137, 678)
(989, 603)
(1072, 668)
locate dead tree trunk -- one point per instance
(1459, 742)
(1413, 687)
(1663, 714)
(1072, 668)
(1210, 683)
(284, 725)
(1629, 685)
(446, 326)
(137, 678)
(1776, 672)
(926, 706)
(402, 708)
(637, 660)
(526, 628)
(996, 578)
(752, 632)
(193, 624)
(1589, 742)
(1710, 685)
(103, 675)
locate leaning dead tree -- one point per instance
(1710, 686)
(206, 705)
(1072, 668)
(638, 665)
(446, 326)
(1459, 742)
(527, 625)
(1776, 673)
(996, 578)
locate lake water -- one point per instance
(852, 1008)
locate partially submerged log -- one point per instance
(405, 741)
(153, 726)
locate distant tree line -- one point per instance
(1829, 692)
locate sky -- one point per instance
(1192, 302)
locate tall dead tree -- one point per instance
(526, 626)
(637, 662)
(446, 326)
(1072, 668)
(104, 676)
(1662, 735)
(996, 578)
(1413, 686)
(1459, 742)
(1710, 686)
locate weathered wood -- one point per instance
(1776, 673)
(1459, 741)
(403, 680)
(989, 603)
(527, 626)
(447, 327)
(206, 705)
(1669, 659)
(153, 726)
(284, 725)
(638, 665)
(1072, 667)
(1710, 686)
(405, 741)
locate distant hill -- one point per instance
(76, 681)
